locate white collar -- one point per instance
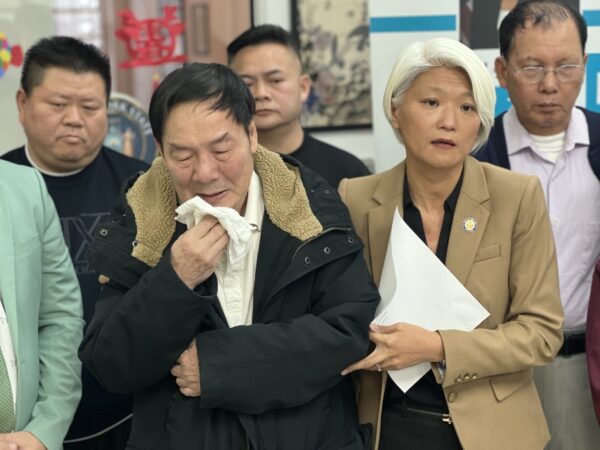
(255, 205)
(47, 172)
(518, 138)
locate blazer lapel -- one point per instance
(7, 269)
(389, 195)
(471, 212)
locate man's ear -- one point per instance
(159, 149)
(253, 136)
(304, 86)
(21, 98)
(501, 67)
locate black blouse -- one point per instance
(426, 393)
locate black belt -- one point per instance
(573, 344)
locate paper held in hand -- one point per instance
(417, 288)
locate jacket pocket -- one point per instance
(489, 252)
(506, 385)
(323, 431)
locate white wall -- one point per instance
(22, 23)
(358, 142)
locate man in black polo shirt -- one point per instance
(268, 60)
(62, 102)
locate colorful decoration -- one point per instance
(150, 42)
(9, 54)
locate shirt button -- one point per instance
(553, 220)
(467, 377)
(306, 260)
(474, 376)
(103, 232)
(451, 397)
(327, 250)
(459, 379)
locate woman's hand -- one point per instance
(398, 346)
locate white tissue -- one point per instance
(238, 229)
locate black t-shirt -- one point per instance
(426, 393)
(82, 201)
(328, 161)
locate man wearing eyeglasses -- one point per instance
(542, 65)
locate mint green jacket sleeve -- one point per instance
(43, 305)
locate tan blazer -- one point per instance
(509, 264)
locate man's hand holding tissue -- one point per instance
(196, 253)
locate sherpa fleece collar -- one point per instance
(153, 201)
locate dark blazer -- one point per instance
(509, 265)
(495, 151)
(592, 340)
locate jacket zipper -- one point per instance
(248, 443)
(318, 236)
(445, 417)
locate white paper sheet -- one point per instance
(416, 288)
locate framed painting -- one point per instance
(333, 36)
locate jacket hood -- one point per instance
(153, 201)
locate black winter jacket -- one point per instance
(273, 385)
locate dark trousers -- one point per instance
(406, 429)
(114, 439)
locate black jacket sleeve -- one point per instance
(137, 333)
(252, 369)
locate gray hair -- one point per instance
(442, 52)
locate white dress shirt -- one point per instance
(8, 351)
(236, 281)
(572, 194)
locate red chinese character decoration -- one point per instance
(150, 42)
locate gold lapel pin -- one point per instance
(470, 224)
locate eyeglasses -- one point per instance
(535, 74)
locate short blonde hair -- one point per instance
(442, 52)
